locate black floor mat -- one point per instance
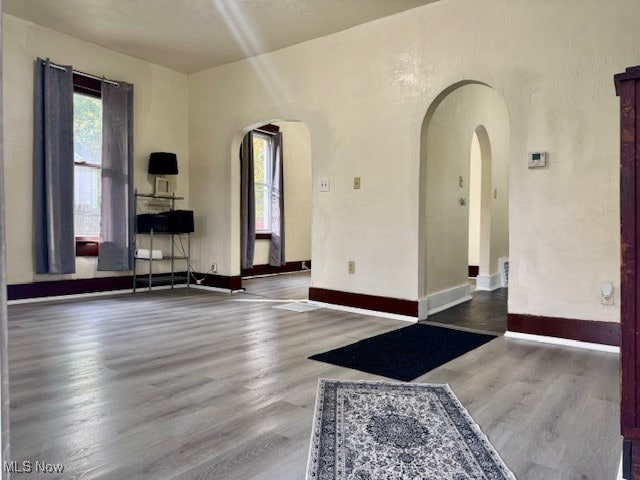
(406, 353)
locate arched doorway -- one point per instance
(292, 138)
(463, 113)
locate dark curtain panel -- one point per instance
(116, 210)
(247, 202)
(53, 169)
(276, 249)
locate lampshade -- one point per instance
(163, 163)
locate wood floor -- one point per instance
(201, 385)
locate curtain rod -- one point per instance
(78, 72)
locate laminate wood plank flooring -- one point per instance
(287, 286)
(191, 384)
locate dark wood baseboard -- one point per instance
(369, 302)
(220, 281)
(473, 271)
(58, 288)
(605, 333)
(268, 269)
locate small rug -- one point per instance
(391, 431)
(299, 307)
(406, 353)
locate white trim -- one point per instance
(269, 300)
(293, 272)
(211, 289)
(562, 341)
(442, 308)
(488, 283)
(364, 311)
(460, 328)
(442, 300)
(619, 476)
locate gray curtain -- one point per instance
(116, 211)
(4, 330)
(247, 202)
(276, 249)
(53, 169)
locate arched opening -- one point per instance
(480, 199)
(475, 202)
(277, 194)
(463, 195)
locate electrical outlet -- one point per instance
(356, 183)
(214, 268)
(352, 267)
(325, 185)
(606, 293)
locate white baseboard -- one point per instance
(213, 289)
(364, 311)
(619, 477)
(488, 283)
(442, 300)
(562, 341)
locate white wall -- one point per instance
(297, 191)
(160, 124)
(364, 93)
(446, 144)
(475, 177)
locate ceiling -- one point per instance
(193, 35)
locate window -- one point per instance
(262, 147)
(87, 156)
(103, 119)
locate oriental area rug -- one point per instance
(397, 431)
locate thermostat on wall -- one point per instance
(537, 159)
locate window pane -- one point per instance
(259, 159)
(87, 143)
(263, 211)
(262, 180)
(87, 129)
(87, 201)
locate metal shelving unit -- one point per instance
(171, 278)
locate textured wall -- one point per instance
(364, 93)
